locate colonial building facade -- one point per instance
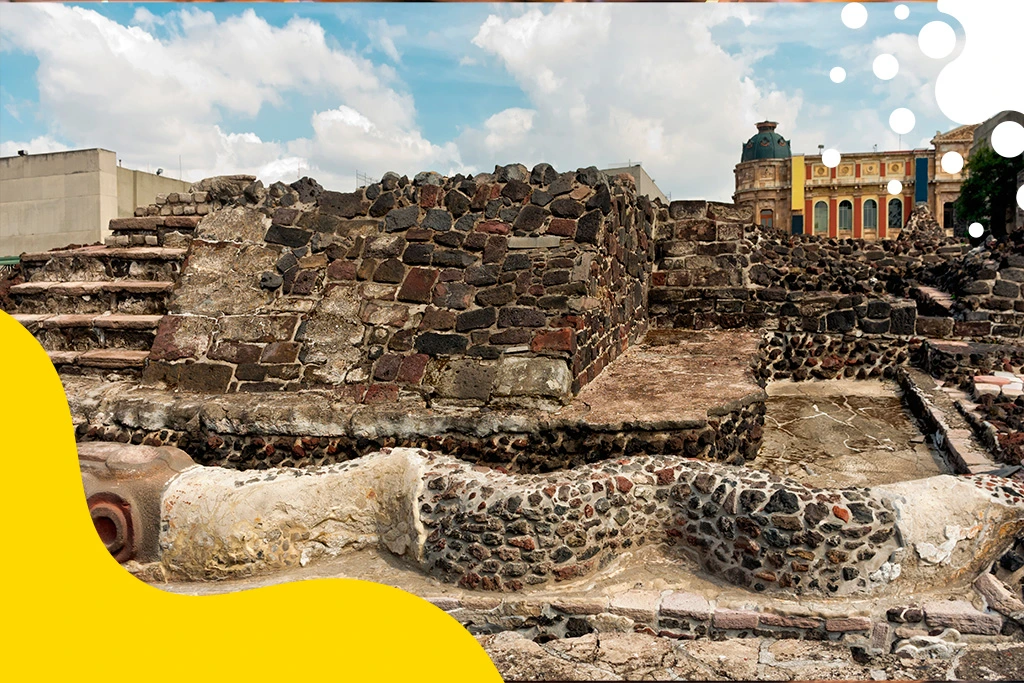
(802, 195)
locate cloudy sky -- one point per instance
(283, 90)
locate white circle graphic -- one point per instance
(952, 162)
(885, 67)
(902, 12)
(854, 15)
(831, 158)
(937, 39)
(838, 74)
(902, 120)
(1020, 197)
(1008, 139)
(894, 187)
(975, 230)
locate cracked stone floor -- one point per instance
(843, 432)
(636, 656)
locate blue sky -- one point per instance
(328, 90)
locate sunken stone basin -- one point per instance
(844, 432)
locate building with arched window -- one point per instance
(799, 193)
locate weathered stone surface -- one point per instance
(961, 615)
(332, 335)
(180, 337)
(233, 224)
(460, 379)
(685, 606)
(734, 619)
(640, 606)
(223, 278)
(543, 377)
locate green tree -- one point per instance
(989, 194)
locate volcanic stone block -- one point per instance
(438, 219)
(434, 344)
(401, 219)
(566, 207)
(289, 237)
(452, 258)
(384, 246)
(476, 319)
(543, 174)
(589, 227)
(180, 337)
(904, 319)
(530, 218)
(539, 377)
(390, 270)
(511, 316)
(457, 203)
(453, 295)
(343, 204)
(418, 285)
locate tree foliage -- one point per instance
(989, 193)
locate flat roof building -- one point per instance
(53, 200)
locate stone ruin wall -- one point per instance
(516, 287)
(756, 530)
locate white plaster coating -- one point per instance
(218, 522)
(949, 523)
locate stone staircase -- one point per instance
(97, 308)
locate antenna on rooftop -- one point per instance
(362, 178)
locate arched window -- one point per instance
(767, 216)
(895, 214)
(845, 215)
(821, 218)
(871, 217)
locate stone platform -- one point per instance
(689, 393)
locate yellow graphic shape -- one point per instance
(71, 613)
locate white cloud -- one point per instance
(383, 35)
(610, 83)
(153, 96)
(40, 145)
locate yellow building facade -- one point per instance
(800, 194)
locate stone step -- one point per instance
(126, 297)
(84, 332)
(97, 263)
(110, 321)
(111, 359)
(92, 288)
(154, 224)
(105, 252)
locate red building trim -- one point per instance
(833, 216)
(857, 171)
(908, 206)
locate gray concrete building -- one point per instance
(53, 200)
(644, 183)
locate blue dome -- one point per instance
(767, 144)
